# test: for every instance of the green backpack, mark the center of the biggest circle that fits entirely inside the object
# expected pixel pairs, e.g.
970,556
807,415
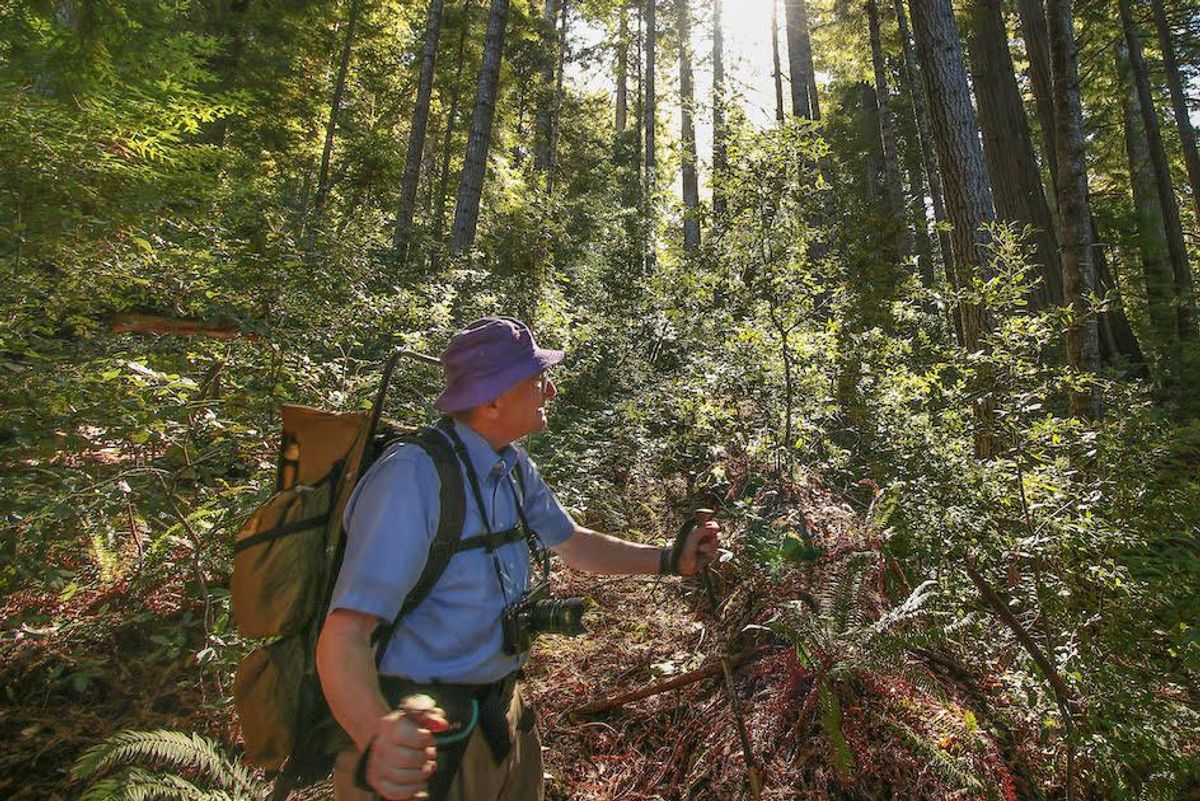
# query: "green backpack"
286,560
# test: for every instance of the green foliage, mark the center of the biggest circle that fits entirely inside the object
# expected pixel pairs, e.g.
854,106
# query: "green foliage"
222,778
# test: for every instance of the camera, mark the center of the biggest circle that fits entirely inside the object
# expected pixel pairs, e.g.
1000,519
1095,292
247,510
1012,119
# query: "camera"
537,612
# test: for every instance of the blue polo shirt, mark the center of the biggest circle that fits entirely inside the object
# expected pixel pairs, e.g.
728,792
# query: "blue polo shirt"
454,635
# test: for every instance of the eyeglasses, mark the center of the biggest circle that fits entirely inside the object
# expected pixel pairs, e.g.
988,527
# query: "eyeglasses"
542,382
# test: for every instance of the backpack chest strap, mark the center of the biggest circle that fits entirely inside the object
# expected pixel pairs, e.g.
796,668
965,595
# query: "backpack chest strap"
491,541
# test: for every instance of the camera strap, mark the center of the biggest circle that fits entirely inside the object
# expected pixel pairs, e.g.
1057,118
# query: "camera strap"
493,540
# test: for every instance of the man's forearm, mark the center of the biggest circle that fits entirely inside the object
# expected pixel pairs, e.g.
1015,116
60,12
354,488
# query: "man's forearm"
346,666
593,552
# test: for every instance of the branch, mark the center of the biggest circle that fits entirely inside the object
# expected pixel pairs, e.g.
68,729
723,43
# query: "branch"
710,670
175,326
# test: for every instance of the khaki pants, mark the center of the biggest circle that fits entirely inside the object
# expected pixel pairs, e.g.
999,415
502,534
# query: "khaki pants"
518,778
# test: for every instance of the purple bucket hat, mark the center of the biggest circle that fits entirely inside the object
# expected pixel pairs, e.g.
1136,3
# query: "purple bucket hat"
487,358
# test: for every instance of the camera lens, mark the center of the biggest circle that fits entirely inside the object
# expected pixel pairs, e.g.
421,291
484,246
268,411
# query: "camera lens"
558,616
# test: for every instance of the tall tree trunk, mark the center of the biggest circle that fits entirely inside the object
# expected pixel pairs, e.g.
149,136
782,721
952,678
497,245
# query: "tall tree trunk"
416,134
545,92
968,200
893,191
622,68
470,190
1151,233
1185,303
778,71
1079,272
1007,147
439,213
794,13
651,107
687,131
1037,51
806,56
556,110
1187,136
720,158
924,126
335,107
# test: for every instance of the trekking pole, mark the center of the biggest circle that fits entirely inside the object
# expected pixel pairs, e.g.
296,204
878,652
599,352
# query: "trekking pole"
752,774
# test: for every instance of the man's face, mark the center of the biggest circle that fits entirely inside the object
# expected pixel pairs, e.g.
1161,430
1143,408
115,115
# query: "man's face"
522,409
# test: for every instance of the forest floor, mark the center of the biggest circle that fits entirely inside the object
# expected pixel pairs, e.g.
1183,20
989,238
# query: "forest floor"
822,713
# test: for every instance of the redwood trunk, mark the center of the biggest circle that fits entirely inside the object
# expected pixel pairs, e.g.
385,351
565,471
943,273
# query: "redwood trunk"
968,200
650,107
416,135
794,19
1185,304
687,133
622,69
470,190
335,107
1079,272
720,158
778,70
1187,136
556,110
1007,147
893,191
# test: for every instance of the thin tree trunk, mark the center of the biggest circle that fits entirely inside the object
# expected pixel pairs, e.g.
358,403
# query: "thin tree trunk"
556,111
545,94
924,126
439,214
807,57
778,71
466,211
335,107
1037,51
622,68
720,159
968,200
794,12
893,191
1151,233
687,132
1187,136
416,134
1185,304
650,109
1007,147
1079,272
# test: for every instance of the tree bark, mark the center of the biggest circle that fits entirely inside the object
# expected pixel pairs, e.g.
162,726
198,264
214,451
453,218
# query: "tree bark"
1187,136
778,71
1151,233
1079,271
797,35
556,110
968,199
1007,147
622,69
687,133
439,214
893,191
470,190
924,126
649,110
335,106
416,134
1185,303
545,94
720,157
1037,51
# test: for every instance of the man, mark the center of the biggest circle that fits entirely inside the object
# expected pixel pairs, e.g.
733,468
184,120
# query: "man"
496,392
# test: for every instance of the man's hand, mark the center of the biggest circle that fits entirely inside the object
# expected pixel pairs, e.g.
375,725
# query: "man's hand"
700,545
403,752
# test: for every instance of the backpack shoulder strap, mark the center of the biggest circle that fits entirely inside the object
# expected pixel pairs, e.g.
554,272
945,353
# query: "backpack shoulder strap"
451,514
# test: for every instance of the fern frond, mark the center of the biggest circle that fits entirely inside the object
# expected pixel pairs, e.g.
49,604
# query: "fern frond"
950,768
174,749
137,784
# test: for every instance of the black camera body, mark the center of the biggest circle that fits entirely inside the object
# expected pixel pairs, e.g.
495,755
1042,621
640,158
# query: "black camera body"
537,612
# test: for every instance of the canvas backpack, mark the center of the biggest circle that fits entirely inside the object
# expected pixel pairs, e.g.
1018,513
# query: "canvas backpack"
286,560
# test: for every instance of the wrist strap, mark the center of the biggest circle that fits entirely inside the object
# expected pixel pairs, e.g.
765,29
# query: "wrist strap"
664,561
360,770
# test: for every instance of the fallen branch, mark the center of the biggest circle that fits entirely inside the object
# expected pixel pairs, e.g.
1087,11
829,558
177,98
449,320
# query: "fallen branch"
176,326
707,671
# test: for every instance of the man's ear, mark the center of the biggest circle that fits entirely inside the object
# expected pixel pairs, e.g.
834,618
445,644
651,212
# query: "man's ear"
489,410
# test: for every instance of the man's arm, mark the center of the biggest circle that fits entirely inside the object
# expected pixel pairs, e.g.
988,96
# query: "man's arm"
403,753
593,552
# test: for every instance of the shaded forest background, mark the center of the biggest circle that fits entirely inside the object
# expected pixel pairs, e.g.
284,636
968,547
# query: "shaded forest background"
954,283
